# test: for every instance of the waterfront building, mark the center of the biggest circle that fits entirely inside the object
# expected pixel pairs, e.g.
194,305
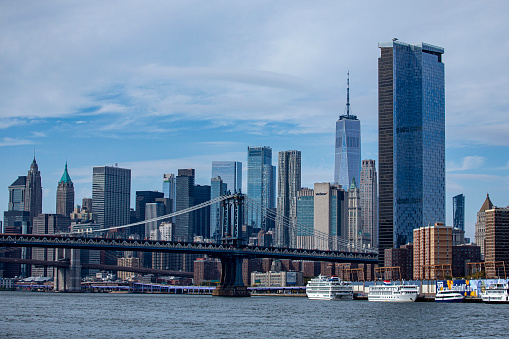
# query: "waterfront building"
202,193
217,189
230,172
17,222
458,211
411,104
461,256
288,184
497,241
111,196
33,191
65,194
276,279
369,201
261,185
398,263
47,224
348,146
356,237
128,262
206,269
480,225
432,252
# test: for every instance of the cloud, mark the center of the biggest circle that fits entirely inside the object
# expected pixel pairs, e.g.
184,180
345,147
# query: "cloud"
14,142
468,163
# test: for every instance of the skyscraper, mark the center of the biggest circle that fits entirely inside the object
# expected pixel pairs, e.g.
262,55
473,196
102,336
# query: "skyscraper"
153,210
230,172
411,113
330,215
458,211
355,233
65,194
217,189
289,183
261,184
184,223
369,201
33,191
348,146
17,194
111,195
202,216
169,188
480,225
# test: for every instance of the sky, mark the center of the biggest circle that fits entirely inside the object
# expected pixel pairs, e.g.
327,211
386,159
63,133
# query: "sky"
156,86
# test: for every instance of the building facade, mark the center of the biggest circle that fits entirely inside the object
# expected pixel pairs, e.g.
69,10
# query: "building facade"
33,191
169,188
288,184
65,194
411,116
433,252
184,228
369,201
217,189
230,172
202,193
496,252
261,185
347,162
480,225
458,211
356,236
305,218
330,217
111,196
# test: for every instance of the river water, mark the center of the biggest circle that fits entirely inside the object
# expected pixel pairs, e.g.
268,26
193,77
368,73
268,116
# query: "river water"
102,315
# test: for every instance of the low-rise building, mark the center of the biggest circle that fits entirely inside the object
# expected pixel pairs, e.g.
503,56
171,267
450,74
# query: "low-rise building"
276,279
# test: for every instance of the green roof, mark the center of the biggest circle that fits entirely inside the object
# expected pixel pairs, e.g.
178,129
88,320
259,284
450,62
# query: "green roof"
65,177
353,186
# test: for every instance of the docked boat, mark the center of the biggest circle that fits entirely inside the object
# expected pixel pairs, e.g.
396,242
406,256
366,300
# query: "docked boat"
333,288
449,296
497,293
393,293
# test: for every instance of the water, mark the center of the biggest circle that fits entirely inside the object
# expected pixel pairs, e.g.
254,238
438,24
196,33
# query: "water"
32,314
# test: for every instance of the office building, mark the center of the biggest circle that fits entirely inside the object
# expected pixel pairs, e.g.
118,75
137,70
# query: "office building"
462,255
230,172
497,241
347,164
128,262
277,279
217,189
153,210
86,204
111,195
202,194
458,211
185,223
433,252
169,189
17,194
33,191
411,141
330,216
65,194
261,185
356,236
142,199
480,225
288,184
305,218
369,201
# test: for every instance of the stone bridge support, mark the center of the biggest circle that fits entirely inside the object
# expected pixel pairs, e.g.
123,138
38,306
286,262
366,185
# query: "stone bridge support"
231,284
68,279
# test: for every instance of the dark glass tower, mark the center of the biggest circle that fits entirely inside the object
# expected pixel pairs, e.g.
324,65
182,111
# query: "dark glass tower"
261,185
411,113
458,211
184,229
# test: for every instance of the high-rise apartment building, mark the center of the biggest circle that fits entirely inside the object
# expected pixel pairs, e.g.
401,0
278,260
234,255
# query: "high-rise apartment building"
111,195
369,201
480,225
65,194
33,191
411,145
458,211
261,185
217,189
348,146
432,252
288,184
230,172
305,218
497,241
184,228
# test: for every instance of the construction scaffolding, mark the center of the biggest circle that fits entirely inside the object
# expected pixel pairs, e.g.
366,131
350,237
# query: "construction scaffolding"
492,269
388,273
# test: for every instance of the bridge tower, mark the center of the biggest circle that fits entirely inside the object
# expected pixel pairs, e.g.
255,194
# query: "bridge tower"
231,283
68,279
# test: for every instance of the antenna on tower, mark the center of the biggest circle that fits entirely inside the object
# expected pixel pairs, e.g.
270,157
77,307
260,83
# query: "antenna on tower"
348,94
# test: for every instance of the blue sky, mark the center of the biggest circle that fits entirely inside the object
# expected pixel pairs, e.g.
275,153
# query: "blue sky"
156,86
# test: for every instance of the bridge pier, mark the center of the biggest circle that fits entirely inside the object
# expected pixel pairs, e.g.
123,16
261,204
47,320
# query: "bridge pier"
68,279
231,283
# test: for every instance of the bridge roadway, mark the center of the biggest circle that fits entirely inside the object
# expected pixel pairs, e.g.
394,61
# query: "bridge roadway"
213,250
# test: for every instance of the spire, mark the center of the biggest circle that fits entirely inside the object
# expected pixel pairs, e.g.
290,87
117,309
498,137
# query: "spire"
348,94
353,185
487,205
33,166
65,177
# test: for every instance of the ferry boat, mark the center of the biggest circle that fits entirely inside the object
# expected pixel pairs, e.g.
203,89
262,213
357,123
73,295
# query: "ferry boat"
333,288
449,296
497,293
393,293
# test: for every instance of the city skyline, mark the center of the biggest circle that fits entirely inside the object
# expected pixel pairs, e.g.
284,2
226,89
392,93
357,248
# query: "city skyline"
283,88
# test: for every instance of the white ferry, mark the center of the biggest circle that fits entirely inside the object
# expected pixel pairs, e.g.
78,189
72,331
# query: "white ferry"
497,293
333,288
393,293
449,296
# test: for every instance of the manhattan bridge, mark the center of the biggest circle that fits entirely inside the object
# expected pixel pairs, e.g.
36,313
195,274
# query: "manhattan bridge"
306,243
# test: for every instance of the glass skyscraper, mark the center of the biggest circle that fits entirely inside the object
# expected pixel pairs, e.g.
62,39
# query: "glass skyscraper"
217,189
411,102
261,184
458,211
230,172
347,164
